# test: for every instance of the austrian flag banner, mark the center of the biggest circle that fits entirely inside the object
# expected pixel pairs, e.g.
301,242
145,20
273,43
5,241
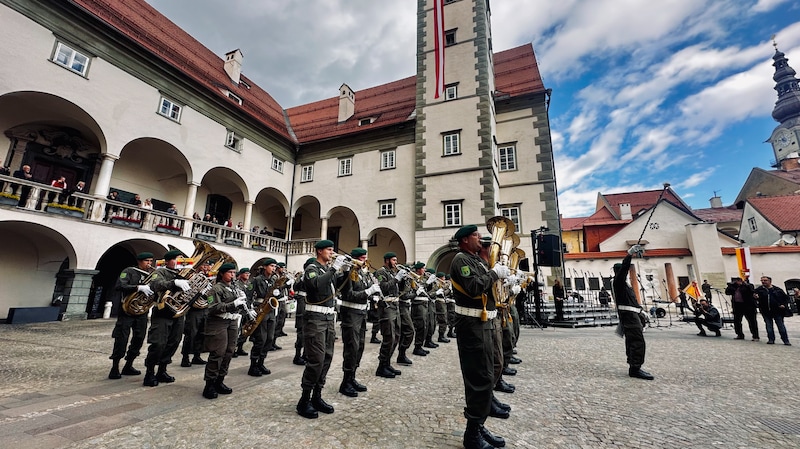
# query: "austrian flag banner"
438,45
743,262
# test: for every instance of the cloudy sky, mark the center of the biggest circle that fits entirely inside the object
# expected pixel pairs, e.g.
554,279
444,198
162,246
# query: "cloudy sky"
644,91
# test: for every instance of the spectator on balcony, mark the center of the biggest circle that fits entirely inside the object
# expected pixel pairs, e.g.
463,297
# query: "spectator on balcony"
173,210
111,211
254,230
264,231
60,183
4,171
80,187
239,226
23,173
229,222
214,220
136,201
195,216
148,204
207,218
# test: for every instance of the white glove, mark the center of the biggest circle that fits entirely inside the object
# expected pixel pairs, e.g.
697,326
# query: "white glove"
637,250
431,279
400,275
440,292
145,289
238,302
251,314
290,282
182,284
276,293
340,262
373,290
421,291
515,290
502,271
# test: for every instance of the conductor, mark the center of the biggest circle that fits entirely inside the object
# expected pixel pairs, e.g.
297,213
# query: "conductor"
628,309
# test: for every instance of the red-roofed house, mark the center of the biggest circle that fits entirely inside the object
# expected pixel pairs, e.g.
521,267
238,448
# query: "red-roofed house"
771,220
114,94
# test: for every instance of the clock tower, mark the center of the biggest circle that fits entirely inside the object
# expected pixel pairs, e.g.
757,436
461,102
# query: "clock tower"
785,137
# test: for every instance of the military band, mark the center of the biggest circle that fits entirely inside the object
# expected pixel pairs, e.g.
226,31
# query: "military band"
130,281
263,336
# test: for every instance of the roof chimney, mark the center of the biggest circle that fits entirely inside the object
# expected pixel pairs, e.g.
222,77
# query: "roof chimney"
625,211
791,162
233,65
347,103
716,202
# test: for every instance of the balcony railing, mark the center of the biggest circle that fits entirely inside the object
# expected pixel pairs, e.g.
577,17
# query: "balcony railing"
40,197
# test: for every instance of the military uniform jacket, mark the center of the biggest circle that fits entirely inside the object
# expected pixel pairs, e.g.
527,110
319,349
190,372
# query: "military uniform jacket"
354,291
128,281
474,277
389,285
623,293
163,280
220,299
319,285
262,288
247,288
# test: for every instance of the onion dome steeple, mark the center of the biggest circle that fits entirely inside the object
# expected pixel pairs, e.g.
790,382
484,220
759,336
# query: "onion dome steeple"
786,84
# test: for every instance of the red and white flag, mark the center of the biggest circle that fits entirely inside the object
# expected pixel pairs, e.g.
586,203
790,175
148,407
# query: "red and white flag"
438,45
743,262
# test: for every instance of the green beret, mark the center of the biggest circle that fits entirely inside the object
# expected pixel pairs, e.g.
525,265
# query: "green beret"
143,256
447,276
440,274
270,261
389,255
419,265
465,231
281,264
486,241
358,252
322,244
169,255
226,267
430,270
244,270
308,262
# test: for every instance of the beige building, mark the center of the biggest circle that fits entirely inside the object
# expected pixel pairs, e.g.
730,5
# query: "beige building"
116,96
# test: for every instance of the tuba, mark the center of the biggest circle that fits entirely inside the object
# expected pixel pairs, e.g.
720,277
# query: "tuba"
137,303
180,302
263,309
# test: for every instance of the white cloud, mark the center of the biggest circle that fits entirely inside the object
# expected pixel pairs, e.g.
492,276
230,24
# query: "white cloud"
767,5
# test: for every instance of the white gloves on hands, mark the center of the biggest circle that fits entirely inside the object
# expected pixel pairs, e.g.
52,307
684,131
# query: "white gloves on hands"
251,314
276,293
502,271
240,301
340,262
401,273
290,282
637,250
182,284
145,289
440,292
421,291
515,290
373,290
431,279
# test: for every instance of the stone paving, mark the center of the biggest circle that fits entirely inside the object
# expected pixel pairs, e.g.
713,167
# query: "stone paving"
572,392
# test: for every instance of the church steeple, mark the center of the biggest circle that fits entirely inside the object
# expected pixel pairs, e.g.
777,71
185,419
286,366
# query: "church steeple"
786,84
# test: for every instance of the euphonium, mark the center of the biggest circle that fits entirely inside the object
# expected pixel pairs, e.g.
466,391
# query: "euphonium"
137,303
180,302
500,228
263,309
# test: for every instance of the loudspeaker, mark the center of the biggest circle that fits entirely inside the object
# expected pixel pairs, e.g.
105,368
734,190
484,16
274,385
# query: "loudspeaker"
548,247
524,265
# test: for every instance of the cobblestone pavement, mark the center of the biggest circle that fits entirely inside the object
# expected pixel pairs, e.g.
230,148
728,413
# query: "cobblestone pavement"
572,392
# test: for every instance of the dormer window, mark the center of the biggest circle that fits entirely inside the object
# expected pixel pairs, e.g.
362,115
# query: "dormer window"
235,97
366,121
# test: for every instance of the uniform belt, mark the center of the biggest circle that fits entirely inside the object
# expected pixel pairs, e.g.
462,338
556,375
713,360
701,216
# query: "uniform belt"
629,309
282,299
355,305
228,316
466,311
420,299
390,299
302,294
320,309
405,301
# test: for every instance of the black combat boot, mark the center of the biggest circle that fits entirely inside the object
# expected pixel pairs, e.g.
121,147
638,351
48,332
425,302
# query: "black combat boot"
419,351
185,361
254,370
221,387
375,340
114,373
450,332
129,370
473,438
196,360
298,359
240,350
346,388
490,438
264,369
442,338
383,371
396,371
504,386
430,344
639,373
495,411
209,392
163,376
358,386
150,377
499,404
304,407
507,371
319,404
402,358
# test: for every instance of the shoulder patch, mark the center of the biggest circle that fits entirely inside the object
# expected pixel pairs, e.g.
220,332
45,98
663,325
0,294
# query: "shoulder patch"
123,275
155,276
312,274
465,271
210,299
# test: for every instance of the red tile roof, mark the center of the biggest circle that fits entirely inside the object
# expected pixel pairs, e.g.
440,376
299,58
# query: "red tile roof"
516,71
572,224
719,214
782,211
765,250
640,200
658,252
790,175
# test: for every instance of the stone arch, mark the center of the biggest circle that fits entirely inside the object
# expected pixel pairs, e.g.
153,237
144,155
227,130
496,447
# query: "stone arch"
441,258
220,184
343,228
383,240
270,210
306,222
152,168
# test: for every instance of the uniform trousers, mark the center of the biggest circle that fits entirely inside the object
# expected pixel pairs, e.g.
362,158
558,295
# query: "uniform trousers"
354,330
390,331
280,319
406,327
319,335
497,347
430,321
193,331
516,324
122,330
298,323
220,342
634,337
263,337
163,340
419,316
476,356
507,332
441,316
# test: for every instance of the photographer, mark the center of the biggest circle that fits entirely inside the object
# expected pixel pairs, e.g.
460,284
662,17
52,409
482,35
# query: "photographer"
707,315
744,305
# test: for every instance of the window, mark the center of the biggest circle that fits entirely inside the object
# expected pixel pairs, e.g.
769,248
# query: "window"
450,92
233,141
387,160
451,144
512,213
307,173
508,158
449,38
452,214
71,59
277,164
235,97
366,121
169,109
386,208
346,166
752,223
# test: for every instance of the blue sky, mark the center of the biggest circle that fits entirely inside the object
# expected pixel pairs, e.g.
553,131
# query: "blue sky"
644,91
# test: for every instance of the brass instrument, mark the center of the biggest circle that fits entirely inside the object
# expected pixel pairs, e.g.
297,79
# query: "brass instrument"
263,309
181,301
137,303
504,244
